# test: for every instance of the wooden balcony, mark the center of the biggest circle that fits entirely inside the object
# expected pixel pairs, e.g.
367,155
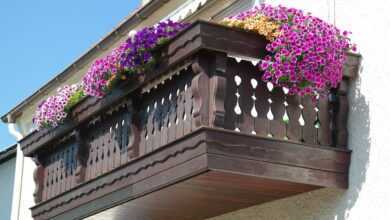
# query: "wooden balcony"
199,136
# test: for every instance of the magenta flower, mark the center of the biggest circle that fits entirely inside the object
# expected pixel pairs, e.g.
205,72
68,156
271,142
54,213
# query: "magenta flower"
307,56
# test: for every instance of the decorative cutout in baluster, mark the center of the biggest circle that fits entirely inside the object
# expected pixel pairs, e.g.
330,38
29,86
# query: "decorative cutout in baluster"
187,109
180,112
285,117
237,108
270,115
149,128
156,138
164,120
172,117
254,113
317,123
261,122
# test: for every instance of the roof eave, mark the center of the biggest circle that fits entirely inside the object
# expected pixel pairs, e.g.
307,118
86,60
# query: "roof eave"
8,154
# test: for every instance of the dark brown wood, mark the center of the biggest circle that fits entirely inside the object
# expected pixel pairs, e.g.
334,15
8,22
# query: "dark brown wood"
277,126
281,169
341,108
218,90
294,130
38,180
81,158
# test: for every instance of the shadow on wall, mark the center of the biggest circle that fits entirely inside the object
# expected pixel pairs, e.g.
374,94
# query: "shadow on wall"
325,204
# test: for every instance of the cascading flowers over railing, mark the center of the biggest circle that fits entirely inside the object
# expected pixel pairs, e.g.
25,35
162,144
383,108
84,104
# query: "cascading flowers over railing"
52,111
306,54
133,56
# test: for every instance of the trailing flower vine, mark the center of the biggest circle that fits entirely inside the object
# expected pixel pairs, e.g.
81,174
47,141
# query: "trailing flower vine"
133,56
306,53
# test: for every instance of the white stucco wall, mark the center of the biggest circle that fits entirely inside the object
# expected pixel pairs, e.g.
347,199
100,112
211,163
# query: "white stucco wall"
368,196
7,171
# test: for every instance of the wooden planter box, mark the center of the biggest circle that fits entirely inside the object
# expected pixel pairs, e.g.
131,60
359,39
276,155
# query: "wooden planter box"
200,136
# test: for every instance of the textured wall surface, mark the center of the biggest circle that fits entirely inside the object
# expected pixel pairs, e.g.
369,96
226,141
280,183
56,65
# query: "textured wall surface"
7,171
368,196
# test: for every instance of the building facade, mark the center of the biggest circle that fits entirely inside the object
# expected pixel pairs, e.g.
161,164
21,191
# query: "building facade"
367,195
7,175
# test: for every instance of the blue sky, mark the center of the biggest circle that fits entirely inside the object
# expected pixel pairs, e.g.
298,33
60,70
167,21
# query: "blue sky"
40,38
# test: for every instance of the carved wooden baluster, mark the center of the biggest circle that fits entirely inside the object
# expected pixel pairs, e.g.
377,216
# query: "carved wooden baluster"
115,135
149,128
105,148
309,115
46,177
91,159
62,179
180,112
141,122
109,153
123,120
157,118
246,121
324,130
56,175
230,101
172,115
67,169
187,109
262,106
277,125
341,108
73,166
49,168
38,179
200,91
293,111
164,120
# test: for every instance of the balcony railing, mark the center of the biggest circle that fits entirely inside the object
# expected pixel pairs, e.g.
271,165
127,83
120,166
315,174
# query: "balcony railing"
201,127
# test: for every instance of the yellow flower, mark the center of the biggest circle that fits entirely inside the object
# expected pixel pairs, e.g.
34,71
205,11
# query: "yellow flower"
259,24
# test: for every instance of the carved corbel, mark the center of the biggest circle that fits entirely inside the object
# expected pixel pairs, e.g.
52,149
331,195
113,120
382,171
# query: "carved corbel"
81,156
38,179
200,88
218,91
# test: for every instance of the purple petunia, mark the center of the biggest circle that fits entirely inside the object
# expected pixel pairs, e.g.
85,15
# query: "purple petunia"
50,112
307,56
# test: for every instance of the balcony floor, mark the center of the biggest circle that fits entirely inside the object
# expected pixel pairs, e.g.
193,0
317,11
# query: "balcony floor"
209,194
